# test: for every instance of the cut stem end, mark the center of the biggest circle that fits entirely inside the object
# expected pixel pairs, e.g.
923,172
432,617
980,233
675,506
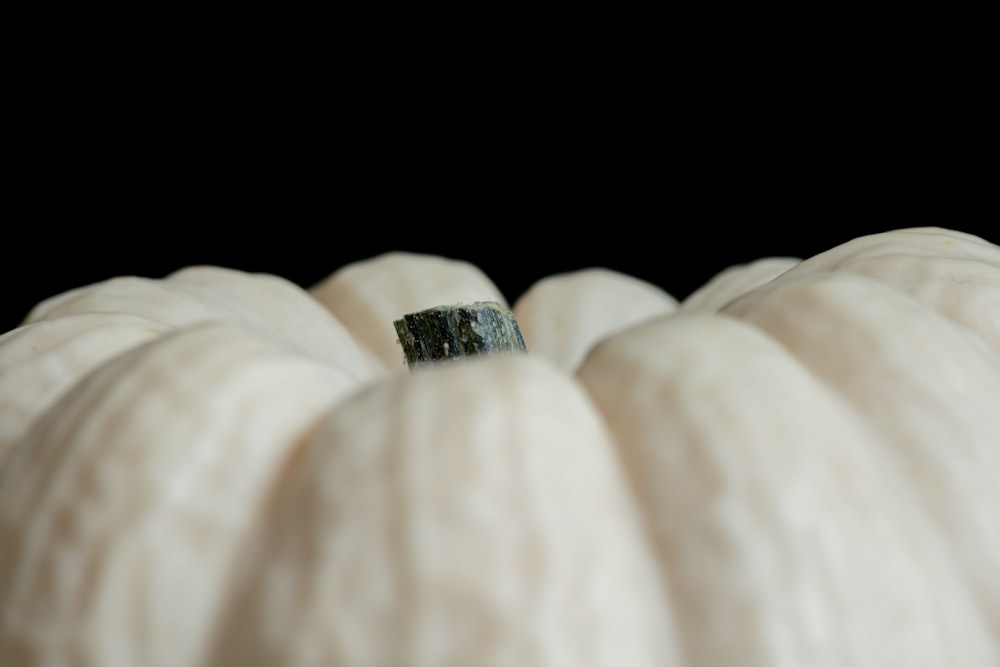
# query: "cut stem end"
452,332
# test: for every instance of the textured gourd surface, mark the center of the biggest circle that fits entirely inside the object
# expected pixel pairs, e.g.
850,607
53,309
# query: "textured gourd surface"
794,466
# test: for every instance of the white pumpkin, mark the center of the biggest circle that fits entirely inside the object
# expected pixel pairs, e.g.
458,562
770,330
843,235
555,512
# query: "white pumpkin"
794,466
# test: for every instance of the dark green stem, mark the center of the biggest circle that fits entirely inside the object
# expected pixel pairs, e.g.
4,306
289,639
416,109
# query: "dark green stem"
453,332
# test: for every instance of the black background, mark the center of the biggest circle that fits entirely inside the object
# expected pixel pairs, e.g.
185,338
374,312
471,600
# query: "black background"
141,161
674,222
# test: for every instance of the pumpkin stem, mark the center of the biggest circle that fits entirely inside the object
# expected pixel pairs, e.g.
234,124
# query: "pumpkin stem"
453,332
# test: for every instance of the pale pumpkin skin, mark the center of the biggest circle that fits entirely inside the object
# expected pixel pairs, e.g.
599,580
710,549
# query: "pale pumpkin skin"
795,466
